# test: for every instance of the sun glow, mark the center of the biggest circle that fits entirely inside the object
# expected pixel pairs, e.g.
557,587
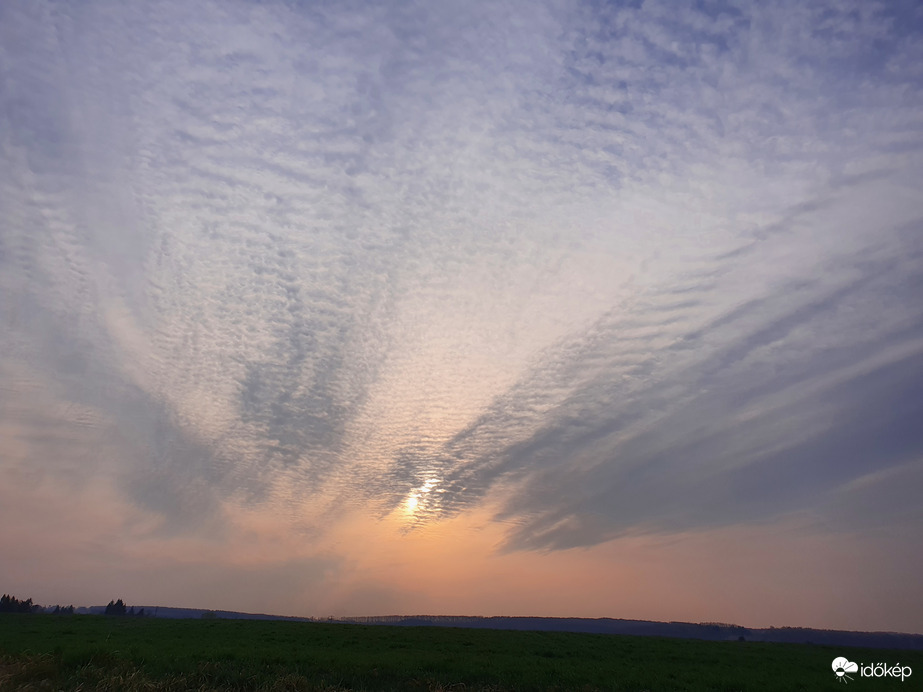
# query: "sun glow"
417,496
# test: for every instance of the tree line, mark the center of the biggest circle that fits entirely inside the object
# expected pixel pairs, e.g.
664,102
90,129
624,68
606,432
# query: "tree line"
11,604
119,608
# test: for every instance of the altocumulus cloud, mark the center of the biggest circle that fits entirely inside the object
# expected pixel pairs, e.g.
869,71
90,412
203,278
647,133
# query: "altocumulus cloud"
612,267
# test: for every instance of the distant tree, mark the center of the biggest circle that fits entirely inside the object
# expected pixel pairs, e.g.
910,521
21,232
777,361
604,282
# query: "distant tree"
116,608
11,604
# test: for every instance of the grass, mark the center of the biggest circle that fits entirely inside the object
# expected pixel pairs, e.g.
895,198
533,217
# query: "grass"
39,652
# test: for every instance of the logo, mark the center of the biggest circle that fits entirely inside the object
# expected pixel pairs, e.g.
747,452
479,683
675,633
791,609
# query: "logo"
843,666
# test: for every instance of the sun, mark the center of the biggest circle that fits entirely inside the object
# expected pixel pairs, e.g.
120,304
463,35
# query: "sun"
417,496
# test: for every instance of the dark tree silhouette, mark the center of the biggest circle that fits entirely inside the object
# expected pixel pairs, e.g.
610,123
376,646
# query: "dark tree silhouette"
116,608
11,604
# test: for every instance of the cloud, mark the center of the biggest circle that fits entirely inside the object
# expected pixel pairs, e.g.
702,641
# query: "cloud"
663,419
606,267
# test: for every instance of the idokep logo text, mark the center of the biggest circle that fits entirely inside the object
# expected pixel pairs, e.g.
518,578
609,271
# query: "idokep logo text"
842,667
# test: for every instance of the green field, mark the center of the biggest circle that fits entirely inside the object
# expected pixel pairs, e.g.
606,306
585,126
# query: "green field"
98,653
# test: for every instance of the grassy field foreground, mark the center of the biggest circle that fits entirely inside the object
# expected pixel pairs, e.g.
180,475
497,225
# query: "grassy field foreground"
100,653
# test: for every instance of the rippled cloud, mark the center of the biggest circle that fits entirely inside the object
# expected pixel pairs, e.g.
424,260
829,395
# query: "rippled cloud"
605,268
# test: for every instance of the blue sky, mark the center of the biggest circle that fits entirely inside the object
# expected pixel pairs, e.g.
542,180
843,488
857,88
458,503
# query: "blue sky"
552,282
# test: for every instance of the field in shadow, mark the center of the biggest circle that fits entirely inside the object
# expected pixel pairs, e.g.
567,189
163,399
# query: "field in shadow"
102,653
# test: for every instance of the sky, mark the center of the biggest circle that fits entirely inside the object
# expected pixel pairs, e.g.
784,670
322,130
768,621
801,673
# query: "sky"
545,308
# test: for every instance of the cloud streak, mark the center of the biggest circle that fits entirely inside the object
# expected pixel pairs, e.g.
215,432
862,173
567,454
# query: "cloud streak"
598,270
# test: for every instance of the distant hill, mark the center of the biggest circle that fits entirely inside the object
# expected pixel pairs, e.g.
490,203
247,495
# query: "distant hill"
186,613
643,628
646,628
